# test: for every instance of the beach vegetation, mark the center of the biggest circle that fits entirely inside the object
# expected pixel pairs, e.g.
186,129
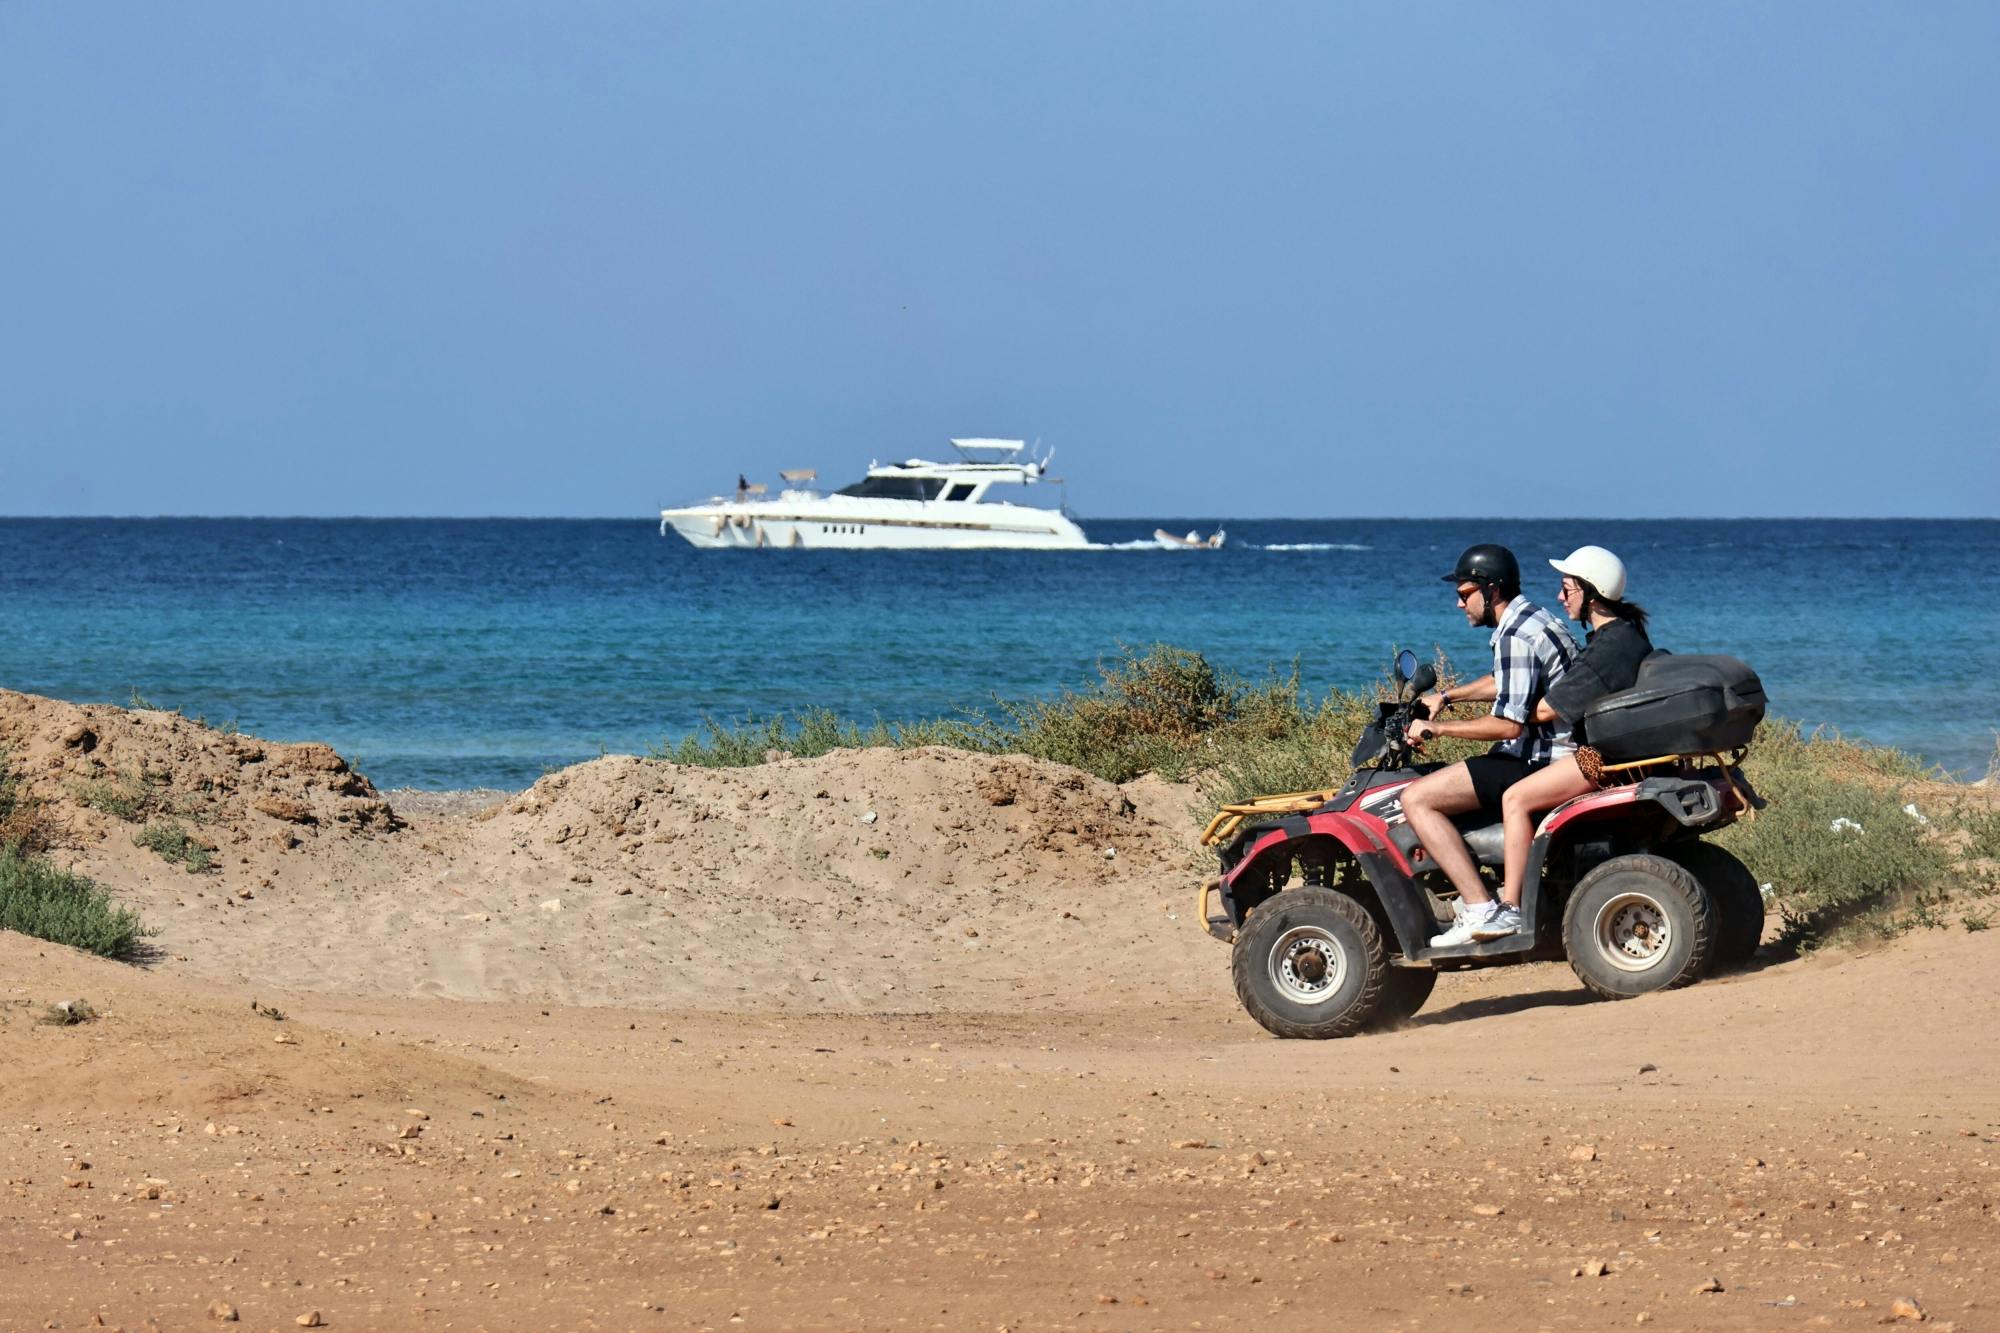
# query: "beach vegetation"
1858,841
175,844
40,898
134,795
26,821
1982,829
1160,709
1839,845
68,1013
126,796
812,732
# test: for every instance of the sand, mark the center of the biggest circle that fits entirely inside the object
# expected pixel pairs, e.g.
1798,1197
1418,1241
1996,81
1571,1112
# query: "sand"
886,1040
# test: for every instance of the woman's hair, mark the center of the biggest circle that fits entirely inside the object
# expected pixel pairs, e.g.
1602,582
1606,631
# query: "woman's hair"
1631,611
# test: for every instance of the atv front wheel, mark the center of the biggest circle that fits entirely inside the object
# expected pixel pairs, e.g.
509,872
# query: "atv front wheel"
1739,903
1309,963
1638,924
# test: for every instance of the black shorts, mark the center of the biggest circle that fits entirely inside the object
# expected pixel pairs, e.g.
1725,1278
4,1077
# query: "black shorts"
1493,774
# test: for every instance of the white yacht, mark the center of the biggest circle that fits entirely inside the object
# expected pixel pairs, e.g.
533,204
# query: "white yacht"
915,505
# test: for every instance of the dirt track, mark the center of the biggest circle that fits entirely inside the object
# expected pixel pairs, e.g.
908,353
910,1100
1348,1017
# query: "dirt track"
1063,1118
1163,1167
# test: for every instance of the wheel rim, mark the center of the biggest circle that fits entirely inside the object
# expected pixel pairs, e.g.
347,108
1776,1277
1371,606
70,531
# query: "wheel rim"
1307,965
1633,932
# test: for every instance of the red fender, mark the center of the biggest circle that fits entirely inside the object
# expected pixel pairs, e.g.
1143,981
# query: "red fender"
1360,835
1611,798
1595,803
1354,834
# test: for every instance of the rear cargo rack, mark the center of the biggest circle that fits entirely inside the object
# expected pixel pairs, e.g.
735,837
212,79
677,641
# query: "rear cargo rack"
1636,770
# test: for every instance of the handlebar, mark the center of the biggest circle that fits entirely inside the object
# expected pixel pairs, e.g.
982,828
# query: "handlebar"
1385,742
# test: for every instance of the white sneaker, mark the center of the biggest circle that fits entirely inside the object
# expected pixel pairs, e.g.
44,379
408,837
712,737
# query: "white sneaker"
1472,917
1503,922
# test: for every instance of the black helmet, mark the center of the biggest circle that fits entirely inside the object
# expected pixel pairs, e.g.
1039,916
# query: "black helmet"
1486,563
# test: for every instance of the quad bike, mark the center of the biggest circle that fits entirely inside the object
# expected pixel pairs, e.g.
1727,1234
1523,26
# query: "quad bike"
1331,902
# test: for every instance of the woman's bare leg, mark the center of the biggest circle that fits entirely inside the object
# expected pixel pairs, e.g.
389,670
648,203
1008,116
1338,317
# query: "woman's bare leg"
1543,790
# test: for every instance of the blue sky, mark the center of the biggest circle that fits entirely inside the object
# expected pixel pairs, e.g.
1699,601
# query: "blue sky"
1283,259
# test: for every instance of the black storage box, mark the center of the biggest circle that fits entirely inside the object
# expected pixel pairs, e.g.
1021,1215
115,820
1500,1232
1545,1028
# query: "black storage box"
1680,705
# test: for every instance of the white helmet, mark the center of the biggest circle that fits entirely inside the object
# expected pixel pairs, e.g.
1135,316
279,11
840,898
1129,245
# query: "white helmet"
1597,567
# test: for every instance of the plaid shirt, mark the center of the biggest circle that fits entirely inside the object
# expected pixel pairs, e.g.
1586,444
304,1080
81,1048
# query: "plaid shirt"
1531,650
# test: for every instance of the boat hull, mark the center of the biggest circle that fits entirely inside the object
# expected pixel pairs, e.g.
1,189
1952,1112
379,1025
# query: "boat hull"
921,527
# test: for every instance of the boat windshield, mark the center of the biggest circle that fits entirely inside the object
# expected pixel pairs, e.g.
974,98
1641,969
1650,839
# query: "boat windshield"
895,488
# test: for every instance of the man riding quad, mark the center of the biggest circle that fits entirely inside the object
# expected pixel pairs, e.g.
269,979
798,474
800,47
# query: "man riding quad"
1330,899
1531,651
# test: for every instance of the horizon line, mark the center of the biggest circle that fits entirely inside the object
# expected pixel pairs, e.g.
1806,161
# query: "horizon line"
1110,518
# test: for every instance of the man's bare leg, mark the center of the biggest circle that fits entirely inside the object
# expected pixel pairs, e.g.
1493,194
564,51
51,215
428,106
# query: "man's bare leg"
1428,804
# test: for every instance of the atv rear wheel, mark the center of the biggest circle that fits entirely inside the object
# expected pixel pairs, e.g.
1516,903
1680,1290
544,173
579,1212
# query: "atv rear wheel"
1739,902
1309,963
1403,994
1638,924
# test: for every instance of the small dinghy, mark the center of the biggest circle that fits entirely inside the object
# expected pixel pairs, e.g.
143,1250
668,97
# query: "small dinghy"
1194,541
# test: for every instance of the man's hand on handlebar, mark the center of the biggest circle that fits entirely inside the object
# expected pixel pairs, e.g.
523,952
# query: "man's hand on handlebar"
1433,703
1418,731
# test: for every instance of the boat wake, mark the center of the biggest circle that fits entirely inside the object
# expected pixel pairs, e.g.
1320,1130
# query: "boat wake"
1248,546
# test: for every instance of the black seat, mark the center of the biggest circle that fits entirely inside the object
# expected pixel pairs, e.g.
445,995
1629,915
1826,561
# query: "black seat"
1487,841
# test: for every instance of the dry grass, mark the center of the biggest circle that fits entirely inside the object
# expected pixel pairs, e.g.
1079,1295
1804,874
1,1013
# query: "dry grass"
1837,846
26,821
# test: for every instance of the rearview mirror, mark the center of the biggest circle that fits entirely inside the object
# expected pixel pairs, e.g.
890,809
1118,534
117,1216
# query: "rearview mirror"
1406,665
1426,677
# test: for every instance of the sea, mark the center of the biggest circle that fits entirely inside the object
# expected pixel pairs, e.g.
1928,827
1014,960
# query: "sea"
447,654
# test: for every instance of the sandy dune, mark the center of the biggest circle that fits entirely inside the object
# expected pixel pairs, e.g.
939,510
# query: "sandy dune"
773,1063
863,880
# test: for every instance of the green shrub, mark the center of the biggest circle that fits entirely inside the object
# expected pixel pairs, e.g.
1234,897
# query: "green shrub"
1316,753
1982,829
124,797
43,900
810,733
1148,713
1162,710
1835,843
1165,710
13,790
1170,711
176,844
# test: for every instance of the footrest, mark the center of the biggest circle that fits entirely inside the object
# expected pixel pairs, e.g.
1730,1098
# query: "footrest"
1519,942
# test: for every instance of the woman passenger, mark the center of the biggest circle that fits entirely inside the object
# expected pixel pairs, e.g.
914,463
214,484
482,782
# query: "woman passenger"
1593,588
